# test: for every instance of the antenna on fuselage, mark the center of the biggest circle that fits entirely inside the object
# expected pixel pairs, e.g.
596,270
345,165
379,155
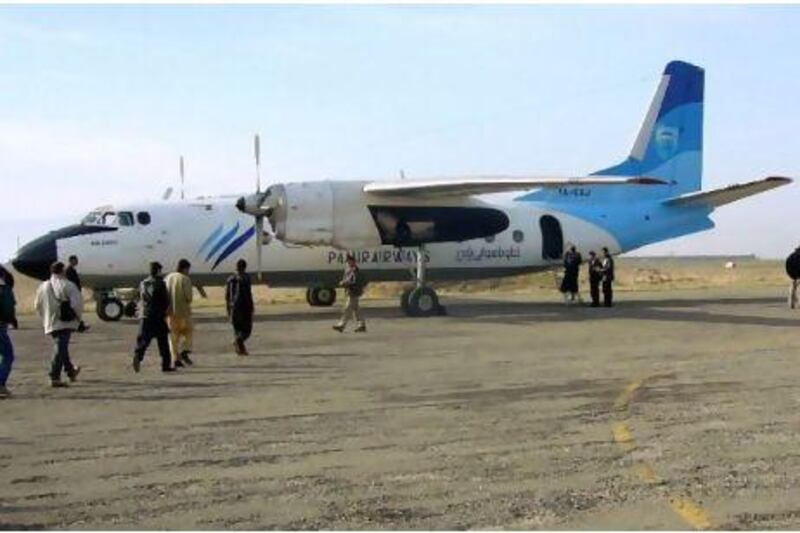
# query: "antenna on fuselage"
183,177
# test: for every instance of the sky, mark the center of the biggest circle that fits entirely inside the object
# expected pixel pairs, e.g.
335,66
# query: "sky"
98,102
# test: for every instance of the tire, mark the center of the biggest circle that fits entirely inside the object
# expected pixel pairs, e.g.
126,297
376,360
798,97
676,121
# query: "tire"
310,296
130,310
404,298
110,309
422,302
325,296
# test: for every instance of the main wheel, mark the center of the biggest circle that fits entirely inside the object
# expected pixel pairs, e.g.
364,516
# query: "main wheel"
321,296
130,310
110,309
325,296
422,301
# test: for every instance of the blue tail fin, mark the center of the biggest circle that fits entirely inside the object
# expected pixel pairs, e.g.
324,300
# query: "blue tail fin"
670,142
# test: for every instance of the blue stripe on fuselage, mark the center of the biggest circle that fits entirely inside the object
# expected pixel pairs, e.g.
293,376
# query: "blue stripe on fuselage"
223,241
235,245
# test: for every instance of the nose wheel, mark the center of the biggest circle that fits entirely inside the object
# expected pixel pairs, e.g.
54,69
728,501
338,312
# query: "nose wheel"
420,300
110,308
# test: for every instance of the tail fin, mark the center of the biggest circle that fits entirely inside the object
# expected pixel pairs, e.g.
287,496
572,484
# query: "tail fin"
670,142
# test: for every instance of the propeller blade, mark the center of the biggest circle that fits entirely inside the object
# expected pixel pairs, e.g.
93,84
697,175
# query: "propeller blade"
257,148
259,243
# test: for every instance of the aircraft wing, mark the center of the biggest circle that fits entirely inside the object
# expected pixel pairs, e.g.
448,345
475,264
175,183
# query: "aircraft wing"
726,195
492,184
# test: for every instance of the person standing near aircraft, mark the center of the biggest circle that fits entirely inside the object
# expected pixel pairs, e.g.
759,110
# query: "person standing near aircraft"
595,276
71,273
793,271
59,304
155,304
8,317
353,284
239,303
607,269
572,268
179,319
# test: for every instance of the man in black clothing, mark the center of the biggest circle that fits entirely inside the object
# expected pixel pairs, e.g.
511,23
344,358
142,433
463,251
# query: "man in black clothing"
607,268
793,271
595,276
155,302
239,301
572,268
71,273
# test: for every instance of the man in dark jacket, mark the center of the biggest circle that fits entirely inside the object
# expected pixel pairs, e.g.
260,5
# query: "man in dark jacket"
155,302
8,317
353,284
595,277
572,268
71,273
607,268
793,271
239,302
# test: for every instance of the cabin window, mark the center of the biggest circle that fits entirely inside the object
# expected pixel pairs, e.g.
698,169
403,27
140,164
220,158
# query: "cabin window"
125,218
518,236
143,217
490,239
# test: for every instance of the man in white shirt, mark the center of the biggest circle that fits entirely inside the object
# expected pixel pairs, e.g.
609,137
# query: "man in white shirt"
60,305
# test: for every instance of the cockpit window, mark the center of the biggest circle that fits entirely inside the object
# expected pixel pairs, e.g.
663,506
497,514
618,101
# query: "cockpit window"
92,219
125,218
143,217
109,218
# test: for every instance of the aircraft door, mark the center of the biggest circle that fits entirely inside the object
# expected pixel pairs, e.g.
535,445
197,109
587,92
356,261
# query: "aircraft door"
552,238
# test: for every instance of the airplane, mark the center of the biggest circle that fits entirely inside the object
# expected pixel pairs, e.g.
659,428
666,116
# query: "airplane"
427,230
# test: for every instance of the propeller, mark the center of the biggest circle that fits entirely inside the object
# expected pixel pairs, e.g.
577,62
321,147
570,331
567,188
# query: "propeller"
259,217
182,176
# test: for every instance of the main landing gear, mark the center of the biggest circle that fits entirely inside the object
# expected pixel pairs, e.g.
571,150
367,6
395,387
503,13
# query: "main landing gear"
420,300
321,296
110,307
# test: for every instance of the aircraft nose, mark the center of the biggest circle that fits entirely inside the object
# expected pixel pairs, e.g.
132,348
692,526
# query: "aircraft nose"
34,259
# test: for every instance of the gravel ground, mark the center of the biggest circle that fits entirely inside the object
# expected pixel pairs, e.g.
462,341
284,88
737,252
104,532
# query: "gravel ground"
670,411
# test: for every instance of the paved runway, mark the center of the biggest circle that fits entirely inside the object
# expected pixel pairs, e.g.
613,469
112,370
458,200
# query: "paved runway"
670,411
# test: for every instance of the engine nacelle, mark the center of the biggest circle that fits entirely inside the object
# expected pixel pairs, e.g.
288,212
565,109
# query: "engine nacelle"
341,214
322,213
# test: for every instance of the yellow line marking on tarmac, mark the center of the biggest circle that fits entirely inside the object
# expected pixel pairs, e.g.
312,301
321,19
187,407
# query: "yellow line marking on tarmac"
622,434
646,473
689,511
624,399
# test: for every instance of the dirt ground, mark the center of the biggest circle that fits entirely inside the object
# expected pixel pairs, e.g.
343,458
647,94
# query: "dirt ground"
674,410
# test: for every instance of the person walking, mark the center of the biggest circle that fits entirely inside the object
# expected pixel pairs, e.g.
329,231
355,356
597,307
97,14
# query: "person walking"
353,284
793,271
607,268
8,317
572,268
179,318
71,273
153,325
595,277
60,305
239,303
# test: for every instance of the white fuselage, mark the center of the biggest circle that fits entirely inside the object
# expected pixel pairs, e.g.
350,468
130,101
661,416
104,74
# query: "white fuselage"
197,230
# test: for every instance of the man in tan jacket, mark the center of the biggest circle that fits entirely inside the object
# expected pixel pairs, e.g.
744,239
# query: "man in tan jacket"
179,317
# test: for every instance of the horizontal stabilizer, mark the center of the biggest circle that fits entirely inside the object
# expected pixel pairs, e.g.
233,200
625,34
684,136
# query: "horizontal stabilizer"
492,184
726,195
